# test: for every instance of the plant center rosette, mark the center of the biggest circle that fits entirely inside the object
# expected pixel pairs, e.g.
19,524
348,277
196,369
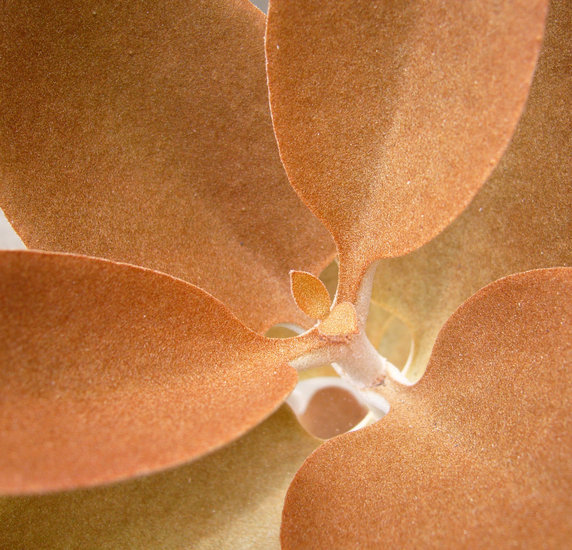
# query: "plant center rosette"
170,165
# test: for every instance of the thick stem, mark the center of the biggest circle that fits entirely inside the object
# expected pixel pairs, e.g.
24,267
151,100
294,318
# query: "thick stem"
363,364
353,355
354,358
363,297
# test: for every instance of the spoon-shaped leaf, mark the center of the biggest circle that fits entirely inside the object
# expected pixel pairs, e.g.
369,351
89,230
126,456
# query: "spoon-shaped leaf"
391,115
140,132
477,455
110,371
229,499
520,219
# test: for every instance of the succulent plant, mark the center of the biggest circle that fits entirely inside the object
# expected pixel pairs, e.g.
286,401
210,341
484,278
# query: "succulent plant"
182,174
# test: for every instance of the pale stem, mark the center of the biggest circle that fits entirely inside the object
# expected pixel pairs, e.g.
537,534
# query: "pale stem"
363,298
353,356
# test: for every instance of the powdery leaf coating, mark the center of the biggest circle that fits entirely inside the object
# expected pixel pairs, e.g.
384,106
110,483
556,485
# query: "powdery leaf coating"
140,132
390,115
476,455
520,219
341,321
311,294
110,371
230,499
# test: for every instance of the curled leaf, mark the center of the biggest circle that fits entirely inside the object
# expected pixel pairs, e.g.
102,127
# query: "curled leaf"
332,410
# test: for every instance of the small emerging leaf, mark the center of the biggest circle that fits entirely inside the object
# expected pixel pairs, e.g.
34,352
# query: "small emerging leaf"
477,455
341,321
310,294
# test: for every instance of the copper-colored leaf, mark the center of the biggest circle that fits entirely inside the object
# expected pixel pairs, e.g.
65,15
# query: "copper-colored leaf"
477,455
310,294
341,321
332,410
520,220
110,371
140,132
391,115
230,499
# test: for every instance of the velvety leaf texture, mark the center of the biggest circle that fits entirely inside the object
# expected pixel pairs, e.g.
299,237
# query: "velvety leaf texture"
520,220
140,132
137,154
476,455
230,499
110,371
310,294
391,115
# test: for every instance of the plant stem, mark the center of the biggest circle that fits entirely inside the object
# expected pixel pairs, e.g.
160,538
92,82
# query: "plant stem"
352,355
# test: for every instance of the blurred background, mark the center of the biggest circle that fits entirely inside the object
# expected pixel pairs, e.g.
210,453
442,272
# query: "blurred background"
262,4
8,238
